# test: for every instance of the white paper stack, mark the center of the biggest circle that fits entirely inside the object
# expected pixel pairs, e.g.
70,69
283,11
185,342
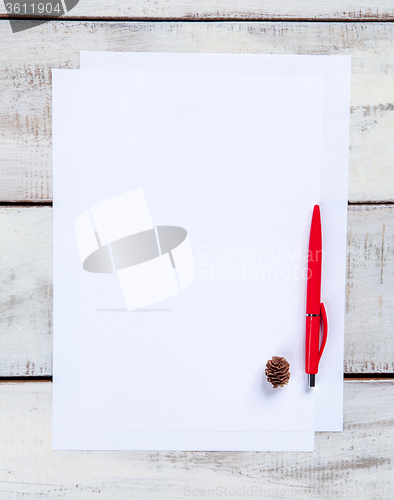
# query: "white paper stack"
184,186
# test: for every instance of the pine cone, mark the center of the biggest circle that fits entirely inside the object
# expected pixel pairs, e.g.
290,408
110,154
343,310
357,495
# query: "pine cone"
277,371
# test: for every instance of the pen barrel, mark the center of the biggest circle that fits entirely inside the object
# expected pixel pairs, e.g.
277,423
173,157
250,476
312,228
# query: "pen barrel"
312,341
313,294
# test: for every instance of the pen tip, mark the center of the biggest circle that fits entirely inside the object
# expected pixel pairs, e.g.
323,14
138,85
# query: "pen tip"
311,380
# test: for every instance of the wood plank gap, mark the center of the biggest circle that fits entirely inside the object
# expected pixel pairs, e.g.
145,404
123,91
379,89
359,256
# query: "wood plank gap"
26,204
7,380
346,376
50,203
375,203
368,376
190,19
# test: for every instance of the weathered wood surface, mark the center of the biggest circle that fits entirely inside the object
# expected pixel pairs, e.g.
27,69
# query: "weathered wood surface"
354,464
27,57
26,291
369,339
357,10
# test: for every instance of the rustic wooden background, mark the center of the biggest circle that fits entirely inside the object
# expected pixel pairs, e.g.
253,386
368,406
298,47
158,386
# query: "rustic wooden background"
356,463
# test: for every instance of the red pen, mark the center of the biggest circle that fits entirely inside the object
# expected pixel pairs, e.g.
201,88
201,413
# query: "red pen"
315,310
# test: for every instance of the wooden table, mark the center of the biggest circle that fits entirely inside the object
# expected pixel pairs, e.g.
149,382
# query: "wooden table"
355,463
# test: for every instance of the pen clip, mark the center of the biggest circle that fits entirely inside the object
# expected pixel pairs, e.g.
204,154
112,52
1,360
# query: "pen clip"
324,321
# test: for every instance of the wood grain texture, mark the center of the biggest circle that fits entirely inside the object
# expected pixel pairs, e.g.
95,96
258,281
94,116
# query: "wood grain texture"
357,10
352,464
26,291
370,290
27,57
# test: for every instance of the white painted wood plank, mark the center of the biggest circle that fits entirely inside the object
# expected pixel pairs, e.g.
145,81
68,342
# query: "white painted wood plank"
354,10
369,346
26,60
355,463
26,291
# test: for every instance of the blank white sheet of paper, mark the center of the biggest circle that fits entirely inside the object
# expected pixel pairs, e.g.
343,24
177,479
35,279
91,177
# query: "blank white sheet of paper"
189,167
